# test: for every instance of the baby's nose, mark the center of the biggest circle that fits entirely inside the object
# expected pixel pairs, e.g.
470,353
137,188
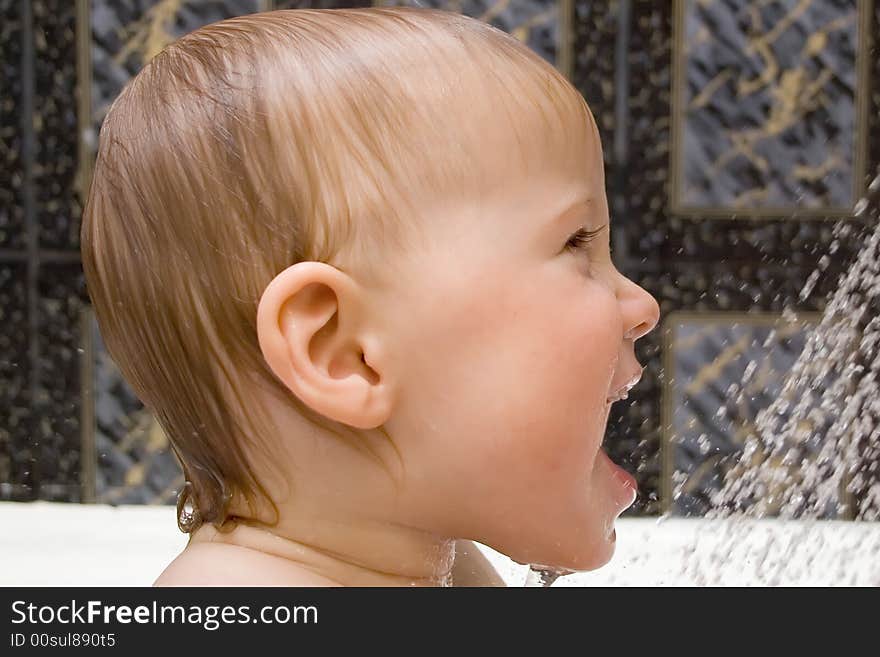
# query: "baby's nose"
641,312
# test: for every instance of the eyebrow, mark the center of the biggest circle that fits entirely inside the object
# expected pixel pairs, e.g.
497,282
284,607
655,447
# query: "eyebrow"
575,209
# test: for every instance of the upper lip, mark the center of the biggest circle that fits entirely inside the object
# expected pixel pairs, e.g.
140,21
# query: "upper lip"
622,389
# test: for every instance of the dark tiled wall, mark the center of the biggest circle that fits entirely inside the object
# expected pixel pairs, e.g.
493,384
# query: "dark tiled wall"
55,124
16,448
769,104
727,263
11,203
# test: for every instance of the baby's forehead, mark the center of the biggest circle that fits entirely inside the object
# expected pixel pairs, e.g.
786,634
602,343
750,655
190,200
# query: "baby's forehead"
567,148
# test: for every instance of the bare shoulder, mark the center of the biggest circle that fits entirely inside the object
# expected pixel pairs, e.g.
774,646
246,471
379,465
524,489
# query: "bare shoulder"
220,564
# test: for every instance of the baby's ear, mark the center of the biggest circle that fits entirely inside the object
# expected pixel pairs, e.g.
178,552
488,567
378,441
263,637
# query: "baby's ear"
308,324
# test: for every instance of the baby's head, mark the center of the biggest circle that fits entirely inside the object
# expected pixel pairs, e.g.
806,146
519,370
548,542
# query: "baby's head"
357,264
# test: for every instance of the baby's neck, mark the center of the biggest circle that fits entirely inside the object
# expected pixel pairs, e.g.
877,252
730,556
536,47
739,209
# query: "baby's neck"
341,553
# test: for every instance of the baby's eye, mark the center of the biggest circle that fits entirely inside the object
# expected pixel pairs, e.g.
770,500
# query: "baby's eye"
582,238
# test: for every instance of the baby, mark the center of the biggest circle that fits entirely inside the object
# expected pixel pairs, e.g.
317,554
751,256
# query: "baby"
357,265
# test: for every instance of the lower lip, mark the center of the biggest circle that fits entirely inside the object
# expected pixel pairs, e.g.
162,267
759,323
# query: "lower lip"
626,483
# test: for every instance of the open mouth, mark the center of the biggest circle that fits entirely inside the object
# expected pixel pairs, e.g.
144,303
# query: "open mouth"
618,396
627,488
623,391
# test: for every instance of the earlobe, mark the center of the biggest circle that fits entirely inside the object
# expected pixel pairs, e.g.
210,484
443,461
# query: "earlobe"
307,325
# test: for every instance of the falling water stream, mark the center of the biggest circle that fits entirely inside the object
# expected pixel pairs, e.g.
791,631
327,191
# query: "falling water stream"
543,576
819,437
814,453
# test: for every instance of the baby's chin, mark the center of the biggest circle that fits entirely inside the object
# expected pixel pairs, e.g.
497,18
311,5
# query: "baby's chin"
573,556
572,529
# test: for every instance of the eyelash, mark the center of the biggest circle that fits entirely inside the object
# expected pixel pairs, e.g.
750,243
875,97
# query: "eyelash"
582,238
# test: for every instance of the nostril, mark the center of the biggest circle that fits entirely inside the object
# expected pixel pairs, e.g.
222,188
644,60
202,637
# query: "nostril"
638,331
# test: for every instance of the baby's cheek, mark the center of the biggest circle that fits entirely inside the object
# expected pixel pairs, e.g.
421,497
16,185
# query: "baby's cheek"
556,369
522,365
